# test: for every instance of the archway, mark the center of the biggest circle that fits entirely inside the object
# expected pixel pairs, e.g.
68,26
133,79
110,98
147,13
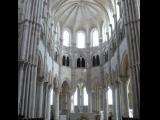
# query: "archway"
81,97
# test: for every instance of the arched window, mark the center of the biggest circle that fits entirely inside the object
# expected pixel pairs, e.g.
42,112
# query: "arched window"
63,60
94,61
51,98
83,62
75,97
95,40
97,60
85,98
80,39
67,61
110,101
78,62
66,38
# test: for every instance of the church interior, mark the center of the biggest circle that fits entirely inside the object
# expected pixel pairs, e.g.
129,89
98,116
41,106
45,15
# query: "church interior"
79,59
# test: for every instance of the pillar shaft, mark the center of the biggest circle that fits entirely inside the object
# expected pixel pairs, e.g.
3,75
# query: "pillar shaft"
114,104
27,91
20,78
133,41
56,114
48,106
24,91
90,102
40,100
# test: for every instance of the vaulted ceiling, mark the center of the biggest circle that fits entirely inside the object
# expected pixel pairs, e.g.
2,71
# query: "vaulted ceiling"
81,13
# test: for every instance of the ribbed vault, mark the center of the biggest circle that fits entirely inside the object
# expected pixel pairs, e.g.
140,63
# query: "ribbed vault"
81,13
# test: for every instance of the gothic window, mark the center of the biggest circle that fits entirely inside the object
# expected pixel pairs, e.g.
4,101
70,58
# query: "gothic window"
85,98
66,38
78,62
63,60
94,61
51,97
95,40
81,62
67,61
80,39
110,101
97,60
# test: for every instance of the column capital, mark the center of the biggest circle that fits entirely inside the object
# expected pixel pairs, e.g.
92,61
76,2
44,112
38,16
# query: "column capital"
123,79
57,90
41,79
21,63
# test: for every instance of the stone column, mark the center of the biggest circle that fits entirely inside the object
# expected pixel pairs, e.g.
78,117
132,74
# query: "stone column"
33,38
82,97
90,101
44,99
114,103
27,91
22,49
73,104
132,30
20,78
32,93
24,88
40,99
105,104
99,99
78,98
118,101
48,105
56,103
124,99
69,100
